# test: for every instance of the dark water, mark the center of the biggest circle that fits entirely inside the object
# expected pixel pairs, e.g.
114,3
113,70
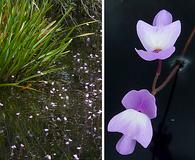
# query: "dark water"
125,71
64,122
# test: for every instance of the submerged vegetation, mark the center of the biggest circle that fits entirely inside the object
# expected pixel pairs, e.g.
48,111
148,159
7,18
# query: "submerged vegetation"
87,8
63,121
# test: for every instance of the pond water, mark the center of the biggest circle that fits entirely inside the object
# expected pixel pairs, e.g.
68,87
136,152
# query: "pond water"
62,122
125,71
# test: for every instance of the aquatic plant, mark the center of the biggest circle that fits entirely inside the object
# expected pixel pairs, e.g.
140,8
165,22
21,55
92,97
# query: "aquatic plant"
134,123
88,8
30,43
92,8
159,39
64,122
56,124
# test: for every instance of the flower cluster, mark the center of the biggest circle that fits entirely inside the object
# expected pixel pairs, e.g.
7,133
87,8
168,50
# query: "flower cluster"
135,122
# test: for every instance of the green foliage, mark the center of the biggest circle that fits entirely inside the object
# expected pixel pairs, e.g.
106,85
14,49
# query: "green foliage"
59,120
29,42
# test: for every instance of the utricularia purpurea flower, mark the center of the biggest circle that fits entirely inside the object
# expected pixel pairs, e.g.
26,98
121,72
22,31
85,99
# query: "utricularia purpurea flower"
135,122
158,39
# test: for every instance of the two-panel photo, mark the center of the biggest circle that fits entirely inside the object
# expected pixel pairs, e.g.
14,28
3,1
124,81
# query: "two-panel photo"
97,80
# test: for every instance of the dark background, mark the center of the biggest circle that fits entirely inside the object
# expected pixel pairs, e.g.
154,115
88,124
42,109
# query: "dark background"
125,70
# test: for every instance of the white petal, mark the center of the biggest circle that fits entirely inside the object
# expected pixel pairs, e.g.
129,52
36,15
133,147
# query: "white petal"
133,124
158,37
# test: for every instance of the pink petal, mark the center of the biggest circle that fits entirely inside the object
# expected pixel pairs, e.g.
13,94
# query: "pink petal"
125,145
142,101
150,56
158,37
162,18
131,100
133,124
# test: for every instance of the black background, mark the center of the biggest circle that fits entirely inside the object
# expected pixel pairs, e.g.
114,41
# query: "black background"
125,70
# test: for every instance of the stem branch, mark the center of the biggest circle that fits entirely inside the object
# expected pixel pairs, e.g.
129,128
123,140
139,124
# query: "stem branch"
188,42
174,70
169,77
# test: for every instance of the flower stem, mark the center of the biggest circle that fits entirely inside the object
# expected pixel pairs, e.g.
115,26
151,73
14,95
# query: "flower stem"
175,69
169,77
188,42
158,71
158,140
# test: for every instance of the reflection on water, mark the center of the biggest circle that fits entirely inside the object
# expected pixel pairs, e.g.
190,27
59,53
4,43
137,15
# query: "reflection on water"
64,122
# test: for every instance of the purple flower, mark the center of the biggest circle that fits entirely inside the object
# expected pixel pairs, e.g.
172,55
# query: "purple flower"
158,39
134,123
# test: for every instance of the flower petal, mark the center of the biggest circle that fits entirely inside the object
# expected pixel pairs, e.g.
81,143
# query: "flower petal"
134,125
145,33
144,133
166,36
131,100
162,18
125,145
142,101
158,37
150,56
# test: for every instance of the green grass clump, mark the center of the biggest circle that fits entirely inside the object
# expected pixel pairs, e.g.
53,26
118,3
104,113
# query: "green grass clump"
29,41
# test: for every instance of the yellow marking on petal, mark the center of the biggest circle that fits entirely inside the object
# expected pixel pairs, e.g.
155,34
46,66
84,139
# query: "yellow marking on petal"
157,50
